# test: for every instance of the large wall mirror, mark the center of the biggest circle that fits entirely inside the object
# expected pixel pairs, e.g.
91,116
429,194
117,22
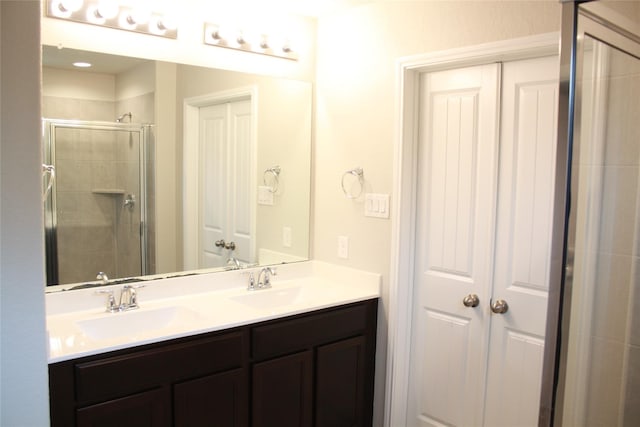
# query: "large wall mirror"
153,169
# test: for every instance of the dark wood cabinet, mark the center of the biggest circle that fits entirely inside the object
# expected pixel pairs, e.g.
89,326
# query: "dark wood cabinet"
313,369
282,391
324,360
142,409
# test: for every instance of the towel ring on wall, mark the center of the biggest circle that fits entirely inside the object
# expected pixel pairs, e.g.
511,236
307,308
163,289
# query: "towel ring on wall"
275,171
359,173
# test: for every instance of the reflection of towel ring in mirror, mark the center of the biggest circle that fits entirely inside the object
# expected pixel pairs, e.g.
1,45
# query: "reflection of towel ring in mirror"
359,173
275,171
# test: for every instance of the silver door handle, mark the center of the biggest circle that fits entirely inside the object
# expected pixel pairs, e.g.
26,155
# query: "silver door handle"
471,300
222,244
499,306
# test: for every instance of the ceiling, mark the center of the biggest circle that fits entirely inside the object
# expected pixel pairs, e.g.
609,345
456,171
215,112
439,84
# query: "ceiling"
101,62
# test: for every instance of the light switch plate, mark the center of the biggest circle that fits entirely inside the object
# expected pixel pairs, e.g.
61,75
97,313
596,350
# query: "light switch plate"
265,196
376,205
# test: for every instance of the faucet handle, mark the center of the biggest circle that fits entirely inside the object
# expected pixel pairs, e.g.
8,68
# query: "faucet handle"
111,301
252,281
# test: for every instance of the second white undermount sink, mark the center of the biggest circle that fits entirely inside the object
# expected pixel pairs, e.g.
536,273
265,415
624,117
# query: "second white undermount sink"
133,323
270,298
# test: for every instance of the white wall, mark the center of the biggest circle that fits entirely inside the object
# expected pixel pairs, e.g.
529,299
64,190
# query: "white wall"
23,363
356,111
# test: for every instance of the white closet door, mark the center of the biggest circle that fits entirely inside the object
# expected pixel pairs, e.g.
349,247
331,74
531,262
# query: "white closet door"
456,213
523,240
483,234
225,202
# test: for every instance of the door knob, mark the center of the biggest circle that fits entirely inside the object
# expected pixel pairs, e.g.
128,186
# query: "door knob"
471,300
230,245
499,306
220,243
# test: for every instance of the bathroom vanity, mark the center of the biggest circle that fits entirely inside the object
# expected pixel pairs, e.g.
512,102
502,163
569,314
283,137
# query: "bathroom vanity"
299,354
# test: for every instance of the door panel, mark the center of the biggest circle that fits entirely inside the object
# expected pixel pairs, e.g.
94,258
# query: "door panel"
213,142
523,240
458,142
240,218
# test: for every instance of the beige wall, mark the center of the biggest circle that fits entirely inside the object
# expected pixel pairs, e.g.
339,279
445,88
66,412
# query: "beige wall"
23,345
356,111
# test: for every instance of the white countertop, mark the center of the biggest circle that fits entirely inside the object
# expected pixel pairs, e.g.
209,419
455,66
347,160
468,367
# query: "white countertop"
77,324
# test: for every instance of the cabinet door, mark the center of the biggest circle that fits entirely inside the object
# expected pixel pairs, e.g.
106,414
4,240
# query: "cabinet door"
282,391
148,409
218,400
341,384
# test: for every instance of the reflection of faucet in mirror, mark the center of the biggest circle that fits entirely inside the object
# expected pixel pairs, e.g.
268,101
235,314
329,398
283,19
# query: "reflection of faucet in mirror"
234,263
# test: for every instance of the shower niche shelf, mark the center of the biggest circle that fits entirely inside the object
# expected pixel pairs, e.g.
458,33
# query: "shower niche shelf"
115,191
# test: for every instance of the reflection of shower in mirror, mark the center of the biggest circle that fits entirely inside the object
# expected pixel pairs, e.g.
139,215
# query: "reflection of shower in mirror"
96,210
121,118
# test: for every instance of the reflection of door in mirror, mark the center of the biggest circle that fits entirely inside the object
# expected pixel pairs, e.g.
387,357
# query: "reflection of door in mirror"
224,197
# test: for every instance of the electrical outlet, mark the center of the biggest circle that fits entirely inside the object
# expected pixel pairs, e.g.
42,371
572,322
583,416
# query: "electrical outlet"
343,247
286,237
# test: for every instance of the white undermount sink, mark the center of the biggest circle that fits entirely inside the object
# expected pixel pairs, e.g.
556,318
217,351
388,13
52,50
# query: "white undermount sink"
132,323
270,298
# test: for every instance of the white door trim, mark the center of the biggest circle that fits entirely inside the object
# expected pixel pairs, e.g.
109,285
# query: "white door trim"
190,152
405,173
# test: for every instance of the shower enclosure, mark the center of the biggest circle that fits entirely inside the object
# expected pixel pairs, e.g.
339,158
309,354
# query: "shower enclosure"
592,360
96,210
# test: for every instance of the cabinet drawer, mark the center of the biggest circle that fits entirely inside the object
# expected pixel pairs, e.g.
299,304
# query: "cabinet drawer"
120,375
306,331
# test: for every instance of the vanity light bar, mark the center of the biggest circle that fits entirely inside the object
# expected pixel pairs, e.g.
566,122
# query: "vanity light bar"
216,35
111,14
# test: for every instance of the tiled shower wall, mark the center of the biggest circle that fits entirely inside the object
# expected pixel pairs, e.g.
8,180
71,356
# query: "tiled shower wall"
613,396
96,232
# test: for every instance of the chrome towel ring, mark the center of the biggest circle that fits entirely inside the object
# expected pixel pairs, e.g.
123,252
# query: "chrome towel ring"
359,174
275,171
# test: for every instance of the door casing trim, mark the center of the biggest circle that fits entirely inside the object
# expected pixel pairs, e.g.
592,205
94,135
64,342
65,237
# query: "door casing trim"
405,179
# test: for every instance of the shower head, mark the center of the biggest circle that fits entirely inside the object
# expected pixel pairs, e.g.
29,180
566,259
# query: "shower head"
119,119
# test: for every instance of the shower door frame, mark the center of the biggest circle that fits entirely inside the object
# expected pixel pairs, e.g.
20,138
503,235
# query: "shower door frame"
579,19
50,212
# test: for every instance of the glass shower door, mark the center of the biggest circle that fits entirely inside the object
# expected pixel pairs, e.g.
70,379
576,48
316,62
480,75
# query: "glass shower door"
601,379
95,212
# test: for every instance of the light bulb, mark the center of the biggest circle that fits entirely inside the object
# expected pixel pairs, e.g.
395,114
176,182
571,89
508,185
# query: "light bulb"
107,9
65,8
69,5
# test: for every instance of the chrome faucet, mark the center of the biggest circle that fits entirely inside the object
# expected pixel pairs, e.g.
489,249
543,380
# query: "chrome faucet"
102,276
266,272
128,299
